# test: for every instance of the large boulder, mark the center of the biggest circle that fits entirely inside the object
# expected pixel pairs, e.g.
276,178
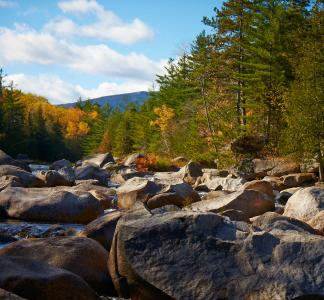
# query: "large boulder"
191,255
102,229
35,280
79,255
59,164
62,204
52,178
100,159
136,189
252,203
91,171
27,179
5,159
68,174
181,195
9,181
305,204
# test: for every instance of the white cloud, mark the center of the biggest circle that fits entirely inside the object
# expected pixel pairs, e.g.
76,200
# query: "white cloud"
25,45
7,4
59,91
107,26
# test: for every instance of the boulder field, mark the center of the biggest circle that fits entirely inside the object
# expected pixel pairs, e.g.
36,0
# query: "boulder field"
252,232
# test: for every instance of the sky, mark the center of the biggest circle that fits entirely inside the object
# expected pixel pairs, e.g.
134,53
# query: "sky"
68,49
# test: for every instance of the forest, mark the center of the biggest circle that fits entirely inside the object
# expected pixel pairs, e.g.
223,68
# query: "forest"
256,73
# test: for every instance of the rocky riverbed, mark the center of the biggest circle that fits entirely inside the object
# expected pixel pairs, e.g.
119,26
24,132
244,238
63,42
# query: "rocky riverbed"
102,230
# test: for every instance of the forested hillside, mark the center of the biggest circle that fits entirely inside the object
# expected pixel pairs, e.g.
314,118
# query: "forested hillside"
256,71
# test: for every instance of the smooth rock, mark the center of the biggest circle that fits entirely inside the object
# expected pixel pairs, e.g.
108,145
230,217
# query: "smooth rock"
133,159
35,280
305,203
102,229
79,255
214,195
252,203
60,204
190,172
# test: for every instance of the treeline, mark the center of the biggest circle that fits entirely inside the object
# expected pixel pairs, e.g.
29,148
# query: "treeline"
30,125
257,71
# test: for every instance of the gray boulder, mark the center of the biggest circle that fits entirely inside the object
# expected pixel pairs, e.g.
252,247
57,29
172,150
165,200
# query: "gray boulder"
31,279
191,255
4,295
62,204
132,159
227,183
59,164
91,171
27,179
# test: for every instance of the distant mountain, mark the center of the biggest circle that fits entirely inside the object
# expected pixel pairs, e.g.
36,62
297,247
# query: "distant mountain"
115,101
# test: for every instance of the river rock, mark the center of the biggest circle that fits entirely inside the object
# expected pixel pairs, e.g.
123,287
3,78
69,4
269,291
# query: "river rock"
52,178
275,182
136,189
252,203
92,171
259,185
79,255
201,256
27,179
68,174
102,229
9,181
59,164
35,280
271,220
62,204
99,159
6,159
305,204
298,179
214,195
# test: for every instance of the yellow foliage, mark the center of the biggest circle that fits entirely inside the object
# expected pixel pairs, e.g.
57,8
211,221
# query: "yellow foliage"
166,115
83,128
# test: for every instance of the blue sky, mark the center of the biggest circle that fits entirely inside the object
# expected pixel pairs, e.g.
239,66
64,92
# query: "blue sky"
64,49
